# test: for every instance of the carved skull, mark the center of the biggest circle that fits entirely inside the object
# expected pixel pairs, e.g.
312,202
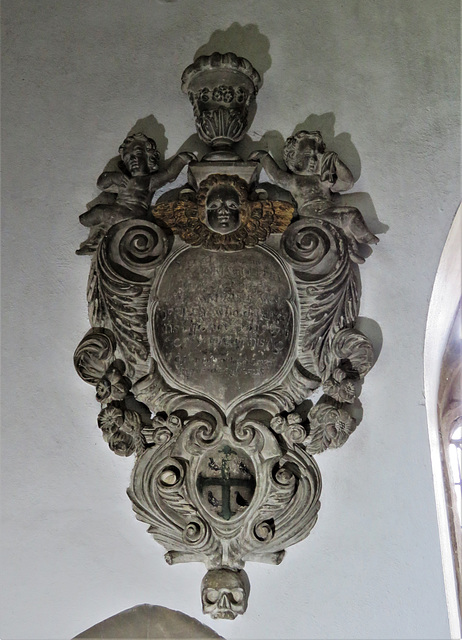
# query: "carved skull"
225,593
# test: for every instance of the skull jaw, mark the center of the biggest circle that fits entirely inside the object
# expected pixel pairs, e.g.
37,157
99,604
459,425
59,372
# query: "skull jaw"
223,614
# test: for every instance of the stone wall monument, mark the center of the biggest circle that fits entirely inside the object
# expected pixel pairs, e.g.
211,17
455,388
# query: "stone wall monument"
215,316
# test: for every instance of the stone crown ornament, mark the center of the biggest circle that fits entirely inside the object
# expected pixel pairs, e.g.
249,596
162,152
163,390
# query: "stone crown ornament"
215,315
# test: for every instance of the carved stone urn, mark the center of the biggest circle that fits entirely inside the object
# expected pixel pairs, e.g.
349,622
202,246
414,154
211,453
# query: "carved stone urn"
221,88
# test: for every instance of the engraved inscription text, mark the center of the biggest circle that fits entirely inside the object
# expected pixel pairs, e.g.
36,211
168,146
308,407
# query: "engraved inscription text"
223,324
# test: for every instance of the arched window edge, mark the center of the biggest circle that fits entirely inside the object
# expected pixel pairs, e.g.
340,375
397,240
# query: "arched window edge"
444,302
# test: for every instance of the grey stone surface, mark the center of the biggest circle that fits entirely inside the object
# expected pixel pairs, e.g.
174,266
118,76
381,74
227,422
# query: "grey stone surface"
230,327
149,622
381,81
200,171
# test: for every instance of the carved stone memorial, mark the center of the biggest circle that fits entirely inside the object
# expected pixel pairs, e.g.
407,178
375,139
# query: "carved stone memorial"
215,315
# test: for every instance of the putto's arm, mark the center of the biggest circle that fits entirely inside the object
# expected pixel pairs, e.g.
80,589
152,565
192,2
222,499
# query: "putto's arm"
111,181
342,177
172,171
281,178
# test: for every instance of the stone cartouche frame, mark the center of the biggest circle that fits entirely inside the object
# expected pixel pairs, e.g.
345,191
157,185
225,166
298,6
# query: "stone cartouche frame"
215,315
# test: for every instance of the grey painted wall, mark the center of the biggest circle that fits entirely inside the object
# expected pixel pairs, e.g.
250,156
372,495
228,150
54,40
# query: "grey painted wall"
381,80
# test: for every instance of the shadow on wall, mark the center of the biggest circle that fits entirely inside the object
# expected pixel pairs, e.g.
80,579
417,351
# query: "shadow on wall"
245,41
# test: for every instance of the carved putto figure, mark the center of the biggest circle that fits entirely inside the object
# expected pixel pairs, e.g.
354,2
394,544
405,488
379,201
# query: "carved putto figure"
314,174
216,313
134,189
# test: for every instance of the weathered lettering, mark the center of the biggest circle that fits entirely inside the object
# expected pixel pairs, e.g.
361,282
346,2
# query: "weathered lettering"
223,322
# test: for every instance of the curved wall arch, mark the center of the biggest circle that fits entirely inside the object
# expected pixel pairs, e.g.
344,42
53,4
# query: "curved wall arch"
444,305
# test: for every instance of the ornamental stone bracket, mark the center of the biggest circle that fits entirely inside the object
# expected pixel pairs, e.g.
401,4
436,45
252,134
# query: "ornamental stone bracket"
215,316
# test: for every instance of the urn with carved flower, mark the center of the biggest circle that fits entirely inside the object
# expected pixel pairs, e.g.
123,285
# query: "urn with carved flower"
221,88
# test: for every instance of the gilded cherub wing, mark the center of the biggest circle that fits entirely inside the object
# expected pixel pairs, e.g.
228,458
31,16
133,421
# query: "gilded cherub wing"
266,217
278,213
262,218
181,217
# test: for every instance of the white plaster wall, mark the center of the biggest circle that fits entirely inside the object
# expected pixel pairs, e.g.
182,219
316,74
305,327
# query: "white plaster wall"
77,76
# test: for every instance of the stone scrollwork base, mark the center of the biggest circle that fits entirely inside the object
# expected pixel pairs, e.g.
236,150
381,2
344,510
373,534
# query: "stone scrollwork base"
215,314
224,495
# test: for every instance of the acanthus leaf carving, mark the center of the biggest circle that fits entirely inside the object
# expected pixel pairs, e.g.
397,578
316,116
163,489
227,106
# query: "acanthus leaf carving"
94,354
120,284
237,528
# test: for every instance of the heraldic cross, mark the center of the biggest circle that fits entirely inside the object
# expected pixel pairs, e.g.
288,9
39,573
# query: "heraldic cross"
227,482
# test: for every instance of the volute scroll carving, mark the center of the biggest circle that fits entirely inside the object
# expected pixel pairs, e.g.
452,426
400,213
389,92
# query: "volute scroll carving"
216,314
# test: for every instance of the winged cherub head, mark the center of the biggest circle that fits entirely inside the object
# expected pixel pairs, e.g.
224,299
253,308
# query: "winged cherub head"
223,217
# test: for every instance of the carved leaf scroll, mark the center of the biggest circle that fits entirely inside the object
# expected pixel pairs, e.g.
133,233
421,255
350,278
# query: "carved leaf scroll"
94,354
119,287
283,509
158,495
327,282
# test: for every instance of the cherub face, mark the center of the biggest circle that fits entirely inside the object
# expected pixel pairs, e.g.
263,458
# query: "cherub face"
304,158
135,159
223,209
225,593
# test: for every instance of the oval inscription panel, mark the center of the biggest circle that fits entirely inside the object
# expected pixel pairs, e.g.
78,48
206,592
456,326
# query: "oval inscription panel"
222,324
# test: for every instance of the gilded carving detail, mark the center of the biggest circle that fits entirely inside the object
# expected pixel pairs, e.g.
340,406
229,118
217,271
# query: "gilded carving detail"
223,217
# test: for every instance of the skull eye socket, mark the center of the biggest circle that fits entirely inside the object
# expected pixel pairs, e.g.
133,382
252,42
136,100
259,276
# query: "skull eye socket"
237,595
211,596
